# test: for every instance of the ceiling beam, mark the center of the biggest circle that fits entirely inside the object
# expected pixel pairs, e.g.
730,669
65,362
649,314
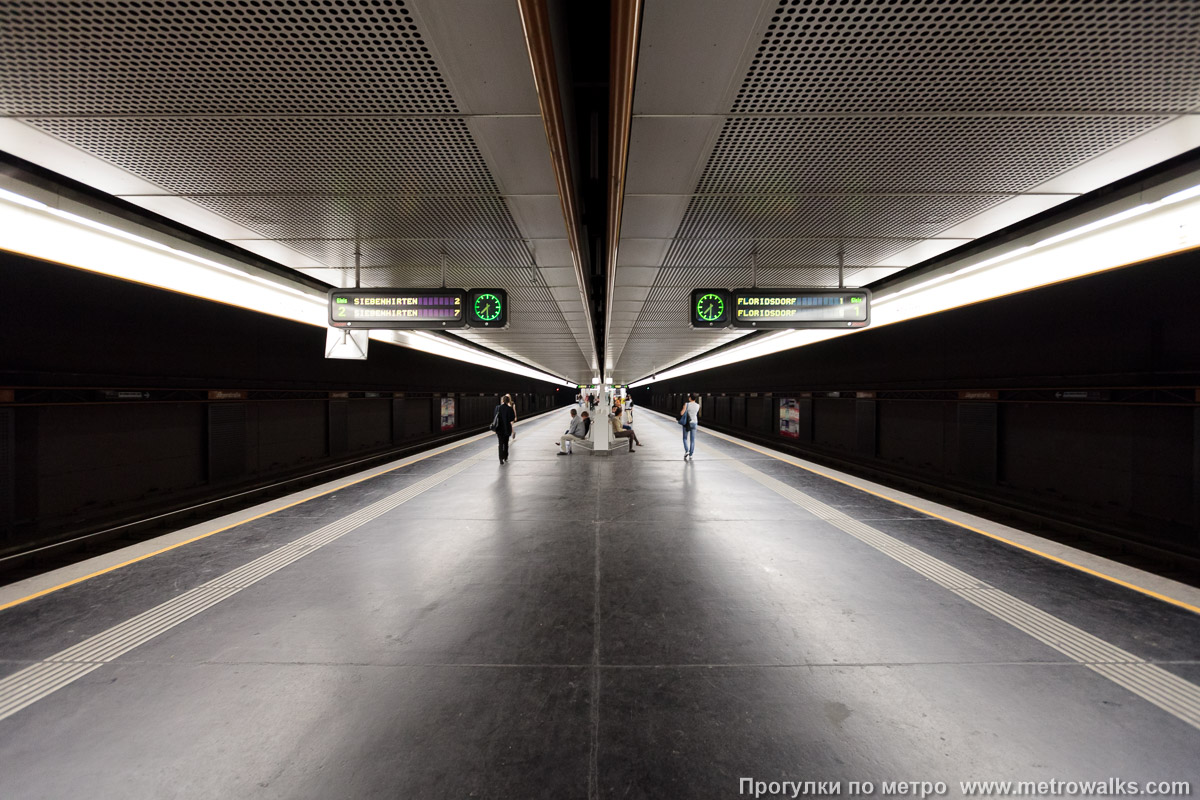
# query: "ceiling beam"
626,25
535,18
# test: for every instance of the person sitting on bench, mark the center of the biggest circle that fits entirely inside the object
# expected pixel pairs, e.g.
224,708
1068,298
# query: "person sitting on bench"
614,419
575,432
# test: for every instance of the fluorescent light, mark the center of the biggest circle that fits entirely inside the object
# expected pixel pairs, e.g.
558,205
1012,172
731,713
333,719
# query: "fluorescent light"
1186,194
447,348
21,200
66,238
35,229
1137,234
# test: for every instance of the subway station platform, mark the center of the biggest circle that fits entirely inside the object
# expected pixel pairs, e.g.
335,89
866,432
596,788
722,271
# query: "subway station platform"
575,627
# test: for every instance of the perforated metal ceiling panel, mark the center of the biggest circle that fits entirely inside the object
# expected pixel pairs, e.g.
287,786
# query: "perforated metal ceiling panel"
1110,56
419,217
739,254
880,129
416,260
799,216
880,154
187,155
67,57
313,124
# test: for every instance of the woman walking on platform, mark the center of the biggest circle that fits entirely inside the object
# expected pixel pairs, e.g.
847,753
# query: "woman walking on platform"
689,418
505,417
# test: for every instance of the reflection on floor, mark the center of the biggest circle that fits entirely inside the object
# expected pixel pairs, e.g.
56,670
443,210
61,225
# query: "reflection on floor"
629,626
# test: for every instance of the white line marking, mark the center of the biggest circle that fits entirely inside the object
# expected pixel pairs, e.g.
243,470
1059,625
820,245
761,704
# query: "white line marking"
31,684
1168,691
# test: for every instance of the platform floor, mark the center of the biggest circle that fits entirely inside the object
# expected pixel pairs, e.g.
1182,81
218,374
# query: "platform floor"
634,626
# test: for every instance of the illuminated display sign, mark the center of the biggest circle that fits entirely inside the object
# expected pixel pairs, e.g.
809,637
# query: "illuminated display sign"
789,417
397,308
801,308
711,308
487,308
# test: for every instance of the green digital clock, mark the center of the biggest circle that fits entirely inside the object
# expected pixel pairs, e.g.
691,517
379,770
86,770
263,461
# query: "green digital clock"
487,308
710,308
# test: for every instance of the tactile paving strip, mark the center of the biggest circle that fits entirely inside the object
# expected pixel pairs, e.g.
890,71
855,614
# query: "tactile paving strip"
1164,689
39,680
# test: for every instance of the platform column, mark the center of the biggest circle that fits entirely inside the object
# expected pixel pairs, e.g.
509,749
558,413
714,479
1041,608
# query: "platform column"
601,432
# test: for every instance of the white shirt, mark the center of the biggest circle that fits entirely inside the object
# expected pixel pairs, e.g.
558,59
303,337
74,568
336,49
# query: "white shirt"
693,412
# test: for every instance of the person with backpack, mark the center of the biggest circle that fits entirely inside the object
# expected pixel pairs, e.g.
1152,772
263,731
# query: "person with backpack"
502,425
689,418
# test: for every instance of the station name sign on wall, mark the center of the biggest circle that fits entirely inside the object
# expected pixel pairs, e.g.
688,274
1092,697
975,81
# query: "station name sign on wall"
781,308
417,309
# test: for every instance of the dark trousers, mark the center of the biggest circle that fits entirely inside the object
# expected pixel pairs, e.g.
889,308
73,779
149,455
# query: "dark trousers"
503,440
628,435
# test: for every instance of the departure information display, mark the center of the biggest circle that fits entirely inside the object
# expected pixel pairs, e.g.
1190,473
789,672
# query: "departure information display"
801,308
421,309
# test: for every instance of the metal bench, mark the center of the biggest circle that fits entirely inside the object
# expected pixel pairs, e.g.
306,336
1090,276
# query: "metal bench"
588,445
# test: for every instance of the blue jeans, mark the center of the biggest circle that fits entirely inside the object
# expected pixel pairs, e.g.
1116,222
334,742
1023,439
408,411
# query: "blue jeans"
689,431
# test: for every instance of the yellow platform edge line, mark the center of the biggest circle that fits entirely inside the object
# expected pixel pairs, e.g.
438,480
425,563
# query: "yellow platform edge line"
106,570
1148,592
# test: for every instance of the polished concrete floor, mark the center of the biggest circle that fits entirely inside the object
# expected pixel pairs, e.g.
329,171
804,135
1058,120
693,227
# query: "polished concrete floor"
633,626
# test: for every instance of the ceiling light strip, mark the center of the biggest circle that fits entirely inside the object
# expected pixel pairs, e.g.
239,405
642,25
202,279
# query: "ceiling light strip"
1128,237
38,230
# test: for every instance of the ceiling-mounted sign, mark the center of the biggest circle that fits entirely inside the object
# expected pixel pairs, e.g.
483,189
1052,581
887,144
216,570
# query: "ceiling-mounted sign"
346,343
421,309
710,308
801,308
487,308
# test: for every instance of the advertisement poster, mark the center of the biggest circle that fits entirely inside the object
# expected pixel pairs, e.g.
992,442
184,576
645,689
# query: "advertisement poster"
789,417
447,413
